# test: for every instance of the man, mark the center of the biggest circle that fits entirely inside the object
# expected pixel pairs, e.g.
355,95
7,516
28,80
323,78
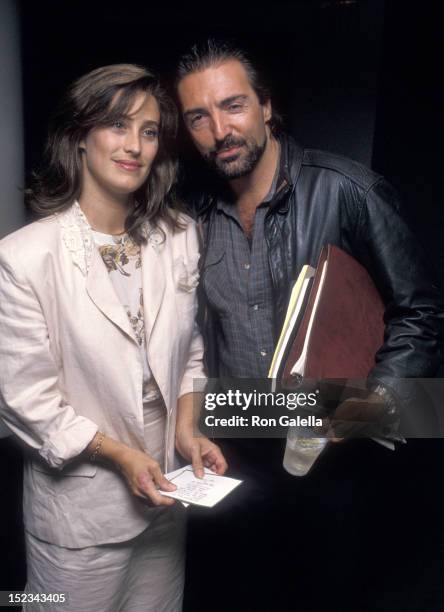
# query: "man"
271,210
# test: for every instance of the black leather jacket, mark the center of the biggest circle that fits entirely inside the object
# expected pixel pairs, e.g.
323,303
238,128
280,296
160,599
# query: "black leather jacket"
331,199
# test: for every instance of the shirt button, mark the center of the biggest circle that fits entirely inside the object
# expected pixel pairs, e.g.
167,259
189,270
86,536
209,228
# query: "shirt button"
246,266
255,307
263,353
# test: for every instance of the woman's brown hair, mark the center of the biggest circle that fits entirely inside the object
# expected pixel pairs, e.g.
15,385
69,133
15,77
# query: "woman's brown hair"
92,101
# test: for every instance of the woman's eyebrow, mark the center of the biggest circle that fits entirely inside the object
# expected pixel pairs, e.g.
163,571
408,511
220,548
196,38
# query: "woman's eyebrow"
147,122
151,122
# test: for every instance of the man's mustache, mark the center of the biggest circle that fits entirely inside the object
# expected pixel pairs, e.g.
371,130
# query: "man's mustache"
227,143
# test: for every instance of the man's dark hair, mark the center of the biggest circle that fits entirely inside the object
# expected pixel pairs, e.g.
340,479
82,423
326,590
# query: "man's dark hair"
213,52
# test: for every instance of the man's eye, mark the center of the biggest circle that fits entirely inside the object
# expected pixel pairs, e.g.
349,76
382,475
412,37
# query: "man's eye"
119,125
235,107
196,120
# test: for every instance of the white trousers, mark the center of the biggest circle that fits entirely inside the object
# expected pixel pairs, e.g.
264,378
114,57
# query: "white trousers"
145,574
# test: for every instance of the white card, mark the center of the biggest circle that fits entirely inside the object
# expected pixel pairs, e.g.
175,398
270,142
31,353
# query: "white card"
206,491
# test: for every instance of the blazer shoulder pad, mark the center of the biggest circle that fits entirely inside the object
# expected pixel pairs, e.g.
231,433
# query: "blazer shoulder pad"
30,241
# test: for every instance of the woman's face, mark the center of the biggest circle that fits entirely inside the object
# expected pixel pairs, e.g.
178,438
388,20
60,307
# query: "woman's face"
117,159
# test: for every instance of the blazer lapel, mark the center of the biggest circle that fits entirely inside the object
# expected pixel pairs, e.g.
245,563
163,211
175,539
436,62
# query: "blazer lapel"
153,280
78,238
101,292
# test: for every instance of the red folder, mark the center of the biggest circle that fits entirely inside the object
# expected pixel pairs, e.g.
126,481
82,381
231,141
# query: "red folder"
347,326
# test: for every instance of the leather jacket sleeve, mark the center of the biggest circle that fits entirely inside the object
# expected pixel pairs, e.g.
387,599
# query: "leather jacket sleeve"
414,315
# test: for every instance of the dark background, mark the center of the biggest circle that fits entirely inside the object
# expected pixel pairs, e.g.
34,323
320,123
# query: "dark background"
357,77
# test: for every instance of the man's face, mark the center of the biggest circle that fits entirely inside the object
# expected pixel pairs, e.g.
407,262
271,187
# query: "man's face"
225,118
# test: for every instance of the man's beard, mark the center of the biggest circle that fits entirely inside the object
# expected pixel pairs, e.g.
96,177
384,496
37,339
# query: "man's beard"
241,163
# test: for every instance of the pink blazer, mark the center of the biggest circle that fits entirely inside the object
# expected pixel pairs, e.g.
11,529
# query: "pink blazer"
69,365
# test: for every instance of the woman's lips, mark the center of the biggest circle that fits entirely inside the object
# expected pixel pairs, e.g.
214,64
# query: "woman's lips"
128,165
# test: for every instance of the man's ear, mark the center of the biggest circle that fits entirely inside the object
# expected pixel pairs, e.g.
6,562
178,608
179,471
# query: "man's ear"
266,110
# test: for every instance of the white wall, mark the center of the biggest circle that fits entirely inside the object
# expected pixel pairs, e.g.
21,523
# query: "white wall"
12,212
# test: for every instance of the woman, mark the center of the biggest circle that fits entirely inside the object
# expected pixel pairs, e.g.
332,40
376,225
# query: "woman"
99,350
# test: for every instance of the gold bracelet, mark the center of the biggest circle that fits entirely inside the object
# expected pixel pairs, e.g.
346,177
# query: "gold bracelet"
96,451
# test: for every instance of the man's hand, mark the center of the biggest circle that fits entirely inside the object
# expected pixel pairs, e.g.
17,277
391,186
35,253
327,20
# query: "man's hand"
357,416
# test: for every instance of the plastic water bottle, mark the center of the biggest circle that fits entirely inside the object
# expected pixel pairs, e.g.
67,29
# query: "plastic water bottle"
302,450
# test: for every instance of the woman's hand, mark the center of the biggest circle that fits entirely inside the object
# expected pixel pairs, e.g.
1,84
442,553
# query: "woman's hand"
142,473
196,449
144,477
200,452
